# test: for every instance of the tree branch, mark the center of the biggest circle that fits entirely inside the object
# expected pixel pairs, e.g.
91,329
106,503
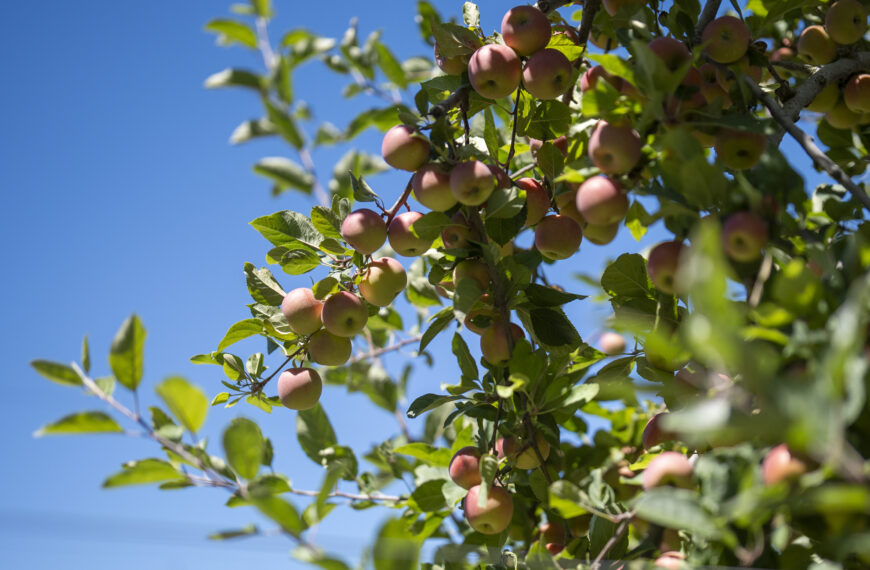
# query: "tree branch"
403,199
590,9
711,8
377,352
620,530
823,76
455,98
351,496
547,6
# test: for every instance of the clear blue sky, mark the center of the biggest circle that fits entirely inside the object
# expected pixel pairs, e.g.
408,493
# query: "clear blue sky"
121,193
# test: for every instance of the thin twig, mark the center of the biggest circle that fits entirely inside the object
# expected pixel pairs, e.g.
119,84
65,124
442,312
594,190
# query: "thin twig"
620,530
510,156
547,6
308,164
379,351
403,199
264,44
763,276
351,496
523,170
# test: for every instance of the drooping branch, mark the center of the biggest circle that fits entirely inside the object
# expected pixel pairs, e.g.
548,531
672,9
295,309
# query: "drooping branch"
590,9
823,76
711,8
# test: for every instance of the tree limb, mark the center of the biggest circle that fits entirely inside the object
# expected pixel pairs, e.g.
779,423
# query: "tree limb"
590,8
620,530
403,199
455,98
711,8
823,76
547,6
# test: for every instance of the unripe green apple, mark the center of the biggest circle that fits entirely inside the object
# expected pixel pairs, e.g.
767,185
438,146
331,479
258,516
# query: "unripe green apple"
558,237
815,46
841,117
566,201
494,71
601,201
364,230
383,279
455,65
780,465
600,235
654,434
494,516
537,200
614,149
725,39
460,234
518,450
846,21
856,95
327,349
739,150
464,468
402,150
431,186
744,235
547,74
826,99
662,265
494,342
472,182
402,239
299,388
614,6
302,311
482,308
472,269
612,343
669,468
671,51
344,314
525,29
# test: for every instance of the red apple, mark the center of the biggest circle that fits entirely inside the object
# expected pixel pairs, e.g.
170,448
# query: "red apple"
601,201
431,186
846,21
662,265
459,235
299,388
482,308
473,269
614,6
673,52
614,149
671,560
612,343
327,349
669,468
494,343
815,46
725,39
402,239
403,150
525,29
780,465
364,230
739,150
472,182
713,86
547,74
494,71
344,314
744,235
518,450
560,143
455,65
856,95
654,434
537,200
494,516
554,537
302,311
558,237
382,280
464,468
566,201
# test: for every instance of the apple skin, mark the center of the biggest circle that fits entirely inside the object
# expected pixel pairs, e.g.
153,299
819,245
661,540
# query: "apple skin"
494,516
601,201
739,150
494,71
553,536
402,150
780,465
472,182
744,235
654,434
841,117
494,344
662,265
472,269
815,46
856,95
302,311
826,99
344,314
460,235
600,235
527,458
364,230
327,349
713,86
456,65
464,468
612,343
613,6
846,21
591,76
537,200
299,388
560,143
725,39
525,29
668,468
547,74
402,240
671,560
614,149
672,51
558,237
567,203
481,308
431,186
579,526
383,279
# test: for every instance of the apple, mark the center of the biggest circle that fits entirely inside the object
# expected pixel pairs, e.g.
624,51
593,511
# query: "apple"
614,149
502,178
668,468
579,526
780,465
560,143
327,349
494,71
671,560
525,29
614,6
402,239
472,182
482,309
744,235
612,343
554,537
547,74
302,311
472,269
344,314
464,468
600,235
364,230
382,280
745,66
299,388
725,39
856,95
456,65
494,342
713,86
518,450
672,52
494,516
459,235
782,53
846,21
591,76
654,434
601,40
739,150
403,150
431,186
826,99
841,117
558,237
815,46
662,265
601,201
537,200
689,95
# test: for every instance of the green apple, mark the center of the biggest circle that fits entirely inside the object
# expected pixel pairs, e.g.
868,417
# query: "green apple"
481,315
299,388
846,21
496,513
431,186
494,342
614,149
558,237
601,201
525,29
725,39
840,116
364,230
402,239
456,65
600,235
826,99
856,95
473,269
382,280
494,71
518,450
472,182
464,468
403,149
815,46
668,468
302,311
662,265
579,526
744,235
344,314
566,201
780,465
327,349
547,74
739,150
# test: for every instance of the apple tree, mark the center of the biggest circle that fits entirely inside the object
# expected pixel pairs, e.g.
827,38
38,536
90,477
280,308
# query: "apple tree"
733,379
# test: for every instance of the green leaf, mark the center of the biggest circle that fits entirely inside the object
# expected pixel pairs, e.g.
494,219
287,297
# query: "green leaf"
251,130
568,499
391,67
280,511
263,8
286,126
231,31
235,78
187,402
490,133
248,530
314,432
626,277
57,372
126,356
553,328
543,296
81,422
467,364
454,40
550,160
143,472
86,355
285,173
548,120
430,225
243,446
239,331
362,192
439,322
326,222
288,229
429,497
428,454
262,286
676,508
395,548
427,402
471,15
220,398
